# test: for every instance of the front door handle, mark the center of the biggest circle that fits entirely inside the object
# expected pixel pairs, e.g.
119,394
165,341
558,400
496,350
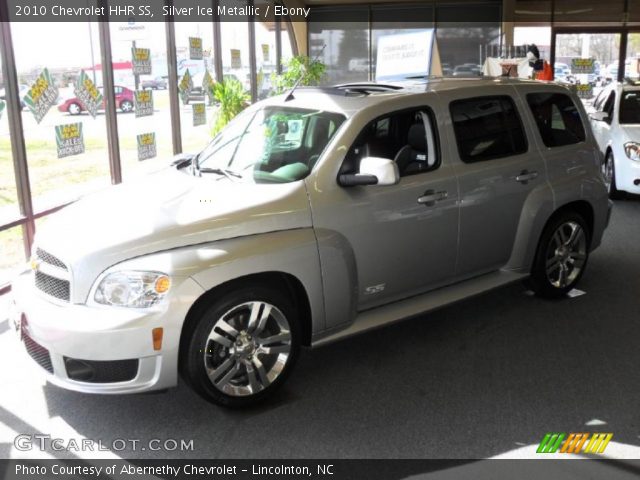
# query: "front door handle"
430,197
525,176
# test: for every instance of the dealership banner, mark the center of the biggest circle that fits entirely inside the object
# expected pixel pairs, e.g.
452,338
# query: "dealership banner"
69,139
146,146
199,114
584,90
582,65
195,48
403,55
185,86
88,94
141,61
333,469
236,58
207,86
42,95
144,103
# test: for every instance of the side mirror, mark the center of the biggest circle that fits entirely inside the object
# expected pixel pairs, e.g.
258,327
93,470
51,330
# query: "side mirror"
373,171
599,116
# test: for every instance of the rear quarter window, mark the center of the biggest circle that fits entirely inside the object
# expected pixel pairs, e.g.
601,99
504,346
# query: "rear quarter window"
487,128
557,118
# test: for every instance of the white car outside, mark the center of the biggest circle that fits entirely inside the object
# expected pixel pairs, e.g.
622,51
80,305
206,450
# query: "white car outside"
615,119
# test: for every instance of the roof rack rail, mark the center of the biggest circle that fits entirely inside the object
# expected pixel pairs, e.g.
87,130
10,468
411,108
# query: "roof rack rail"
368,87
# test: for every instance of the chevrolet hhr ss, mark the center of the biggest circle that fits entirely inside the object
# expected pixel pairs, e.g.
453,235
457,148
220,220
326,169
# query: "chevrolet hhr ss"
311,217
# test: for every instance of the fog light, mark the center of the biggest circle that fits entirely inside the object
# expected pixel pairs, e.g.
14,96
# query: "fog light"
79,370
156,334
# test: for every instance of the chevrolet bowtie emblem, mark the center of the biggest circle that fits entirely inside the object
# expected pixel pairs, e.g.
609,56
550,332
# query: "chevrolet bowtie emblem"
35,263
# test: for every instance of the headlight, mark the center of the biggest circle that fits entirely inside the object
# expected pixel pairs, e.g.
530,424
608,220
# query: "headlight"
632,149
132,289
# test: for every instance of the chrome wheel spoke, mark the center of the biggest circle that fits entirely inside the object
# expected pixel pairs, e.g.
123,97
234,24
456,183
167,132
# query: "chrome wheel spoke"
228,376
254,382
260,321
253,317
575,231
216,337
262,373
214,374
553,266
279,338
225,327
562,278
274,349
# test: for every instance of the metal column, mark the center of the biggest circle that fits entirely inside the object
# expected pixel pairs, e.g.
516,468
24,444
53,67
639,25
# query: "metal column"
109,94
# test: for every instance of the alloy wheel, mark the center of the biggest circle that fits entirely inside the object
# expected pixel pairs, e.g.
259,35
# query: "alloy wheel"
566,254
247,348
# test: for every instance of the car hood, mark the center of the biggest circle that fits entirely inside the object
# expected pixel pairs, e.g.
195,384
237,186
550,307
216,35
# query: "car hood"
162,211
631,132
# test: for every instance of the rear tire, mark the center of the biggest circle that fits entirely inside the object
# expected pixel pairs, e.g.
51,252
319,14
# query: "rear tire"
562,255
126,106
74,109
242,347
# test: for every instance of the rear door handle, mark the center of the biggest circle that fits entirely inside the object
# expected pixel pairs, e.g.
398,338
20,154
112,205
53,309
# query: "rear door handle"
430,197
525,176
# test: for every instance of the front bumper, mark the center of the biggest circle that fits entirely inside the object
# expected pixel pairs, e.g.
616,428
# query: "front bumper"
627,174
110,338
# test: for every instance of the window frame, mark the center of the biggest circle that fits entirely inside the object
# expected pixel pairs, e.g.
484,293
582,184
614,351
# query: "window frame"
518,114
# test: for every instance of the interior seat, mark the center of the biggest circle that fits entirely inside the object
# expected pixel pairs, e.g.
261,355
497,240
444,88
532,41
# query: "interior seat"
413,157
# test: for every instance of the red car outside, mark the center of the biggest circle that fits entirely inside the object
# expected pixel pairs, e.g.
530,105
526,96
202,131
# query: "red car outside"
124,101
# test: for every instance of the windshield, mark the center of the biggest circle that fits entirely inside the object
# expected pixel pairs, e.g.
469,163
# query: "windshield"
272,145
630,107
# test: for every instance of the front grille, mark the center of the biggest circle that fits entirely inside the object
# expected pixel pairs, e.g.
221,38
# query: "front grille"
50,259
37,352
52,286
101,371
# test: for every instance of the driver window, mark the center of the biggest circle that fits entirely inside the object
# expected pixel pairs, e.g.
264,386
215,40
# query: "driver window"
407,137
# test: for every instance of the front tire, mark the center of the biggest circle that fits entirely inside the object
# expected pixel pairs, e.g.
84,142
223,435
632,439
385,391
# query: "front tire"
609,174
243,346
561,256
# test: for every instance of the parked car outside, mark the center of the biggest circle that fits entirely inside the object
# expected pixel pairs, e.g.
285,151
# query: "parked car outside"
23,90
158,83
311,217
124,101
615,119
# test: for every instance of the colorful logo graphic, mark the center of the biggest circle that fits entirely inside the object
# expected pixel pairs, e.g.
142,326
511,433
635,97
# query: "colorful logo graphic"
574,443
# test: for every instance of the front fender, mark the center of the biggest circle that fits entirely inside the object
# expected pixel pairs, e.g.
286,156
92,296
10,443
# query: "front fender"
293,252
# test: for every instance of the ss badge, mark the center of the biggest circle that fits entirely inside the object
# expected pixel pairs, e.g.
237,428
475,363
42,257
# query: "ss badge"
373,289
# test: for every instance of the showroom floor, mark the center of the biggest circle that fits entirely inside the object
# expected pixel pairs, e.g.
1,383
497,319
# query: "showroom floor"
486,377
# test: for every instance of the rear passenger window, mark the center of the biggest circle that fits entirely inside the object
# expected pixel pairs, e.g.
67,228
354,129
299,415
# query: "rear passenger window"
487,128
557,117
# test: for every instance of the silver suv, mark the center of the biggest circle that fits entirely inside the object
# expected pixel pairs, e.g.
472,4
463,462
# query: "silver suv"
313,216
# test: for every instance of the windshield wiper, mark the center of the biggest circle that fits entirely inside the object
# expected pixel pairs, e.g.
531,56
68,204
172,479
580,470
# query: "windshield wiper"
220,171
